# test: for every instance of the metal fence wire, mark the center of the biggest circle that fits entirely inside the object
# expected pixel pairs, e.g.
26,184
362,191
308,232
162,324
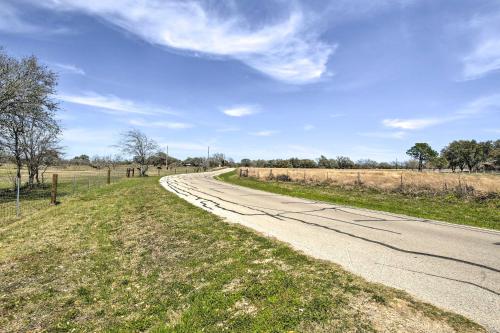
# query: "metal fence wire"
18,199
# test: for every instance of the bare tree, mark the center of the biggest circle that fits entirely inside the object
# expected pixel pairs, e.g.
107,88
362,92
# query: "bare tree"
344,162
217,160
50,158
39,144
80,160
140,147
108,162
26,88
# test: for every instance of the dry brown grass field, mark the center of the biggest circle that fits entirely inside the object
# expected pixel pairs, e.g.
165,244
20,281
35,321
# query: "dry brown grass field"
388,179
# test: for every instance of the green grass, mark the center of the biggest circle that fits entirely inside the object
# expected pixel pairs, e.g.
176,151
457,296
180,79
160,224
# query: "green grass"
450,208
38,197
70,181
131,256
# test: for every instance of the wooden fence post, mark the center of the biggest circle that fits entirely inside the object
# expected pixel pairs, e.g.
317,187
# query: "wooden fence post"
53,193
108,180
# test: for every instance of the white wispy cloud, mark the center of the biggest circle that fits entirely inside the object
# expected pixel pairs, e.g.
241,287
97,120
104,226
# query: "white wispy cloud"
264,133
413,124
86,135
12,22
79,140
384,135
481,104
241,110
113,104
484,58
160,124
68,68
288,50
308,127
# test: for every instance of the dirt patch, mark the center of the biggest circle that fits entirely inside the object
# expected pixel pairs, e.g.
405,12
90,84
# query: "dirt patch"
400,317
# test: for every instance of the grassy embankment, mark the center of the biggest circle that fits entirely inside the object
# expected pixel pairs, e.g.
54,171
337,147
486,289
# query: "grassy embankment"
479,212
131,256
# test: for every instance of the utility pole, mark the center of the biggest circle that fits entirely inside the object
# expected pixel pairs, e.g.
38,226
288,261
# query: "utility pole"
166,160
208,158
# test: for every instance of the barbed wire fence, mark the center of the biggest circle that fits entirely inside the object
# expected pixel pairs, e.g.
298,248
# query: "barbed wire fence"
459,183
18,199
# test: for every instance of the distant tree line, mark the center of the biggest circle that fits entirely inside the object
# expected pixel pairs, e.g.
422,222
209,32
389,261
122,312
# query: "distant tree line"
340,162
458,155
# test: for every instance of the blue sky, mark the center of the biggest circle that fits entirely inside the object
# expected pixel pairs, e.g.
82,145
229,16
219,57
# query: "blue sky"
267,79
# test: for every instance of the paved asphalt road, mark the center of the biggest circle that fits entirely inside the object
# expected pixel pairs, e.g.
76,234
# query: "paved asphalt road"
454,267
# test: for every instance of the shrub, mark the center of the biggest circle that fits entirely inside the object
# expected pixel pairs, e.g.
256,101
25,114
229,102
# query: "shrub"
283,178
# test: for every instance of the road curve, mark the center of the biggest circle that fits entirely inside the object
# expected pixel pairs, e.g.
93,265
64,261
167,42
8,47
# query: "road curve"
454,267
